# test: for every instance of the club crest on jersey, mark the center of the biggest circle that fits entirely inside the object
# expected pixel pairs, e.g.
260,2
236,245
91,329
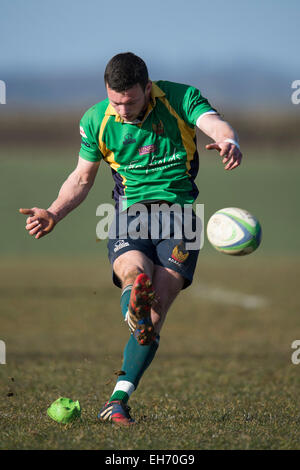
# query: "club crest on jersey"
158,128
179,254
120,244
128,139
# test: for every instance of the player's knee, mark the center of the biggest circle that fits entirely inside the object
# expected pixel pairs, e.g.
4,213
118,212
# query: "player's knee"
129,274
129,265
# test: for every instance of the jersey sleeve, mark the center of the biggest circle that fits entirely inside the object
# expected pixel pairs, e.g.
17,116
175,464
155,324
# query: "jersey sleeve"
195,105
89,149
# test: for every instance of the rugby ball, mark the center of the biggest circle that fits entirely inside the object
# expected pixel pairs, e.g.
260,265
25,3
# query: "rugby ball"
234,231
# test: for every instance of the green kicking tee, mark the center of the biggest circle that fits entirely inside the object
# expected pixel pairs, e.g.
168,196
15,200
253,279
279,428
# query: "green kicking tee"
152,159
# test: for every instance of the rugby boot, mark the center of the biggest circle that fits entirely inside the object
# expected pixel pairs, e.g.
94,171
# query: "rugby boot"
138,315
117,412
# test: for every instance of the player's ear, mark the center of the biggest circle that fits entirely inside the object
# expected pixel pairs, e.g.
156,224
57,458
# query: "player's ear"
148,88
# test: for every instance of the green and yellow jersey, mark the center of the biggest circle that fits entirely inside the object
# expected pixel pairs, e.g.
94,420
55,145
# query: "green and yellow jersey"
155,159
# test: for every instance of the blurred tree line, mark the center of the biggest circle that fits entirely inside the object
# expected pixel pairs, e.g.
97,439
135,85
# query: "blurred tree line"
264,130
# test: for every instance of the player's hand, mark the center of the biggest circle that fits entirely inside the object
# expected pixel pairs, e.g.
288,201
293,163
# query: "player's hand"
231,154
40,221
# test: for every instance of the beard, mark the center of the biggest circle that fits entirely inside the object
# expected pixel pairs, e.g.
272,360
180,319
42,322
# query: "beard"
138,116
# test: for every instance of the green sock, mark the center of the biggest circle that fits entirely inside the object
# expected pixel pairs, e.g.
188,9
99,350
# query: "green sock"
136,360
125,296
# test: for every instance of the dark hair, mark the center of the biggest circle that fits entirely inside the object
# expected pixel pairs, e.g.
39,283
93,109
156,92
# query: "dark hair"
124,71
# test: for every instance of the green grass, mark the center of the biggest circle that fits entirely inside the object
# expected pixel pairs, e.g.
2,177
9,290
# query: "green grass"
222,379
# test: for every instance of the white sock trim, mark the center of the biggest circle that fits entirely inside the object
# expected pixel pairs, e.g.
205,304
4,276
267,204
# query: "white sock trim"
126,288
129,322
124,386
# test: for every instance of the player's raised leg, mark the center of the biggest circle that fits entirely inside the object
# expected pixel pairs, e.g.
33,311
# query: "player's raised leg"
135,269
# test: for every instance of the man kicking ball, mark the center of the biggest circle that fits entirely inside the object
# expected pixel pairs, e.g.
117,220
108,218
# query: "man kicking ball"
145,131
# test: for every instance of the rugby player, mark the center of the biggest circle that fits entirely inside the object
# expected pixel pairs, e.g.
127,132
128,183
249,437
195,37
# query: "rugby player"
145,131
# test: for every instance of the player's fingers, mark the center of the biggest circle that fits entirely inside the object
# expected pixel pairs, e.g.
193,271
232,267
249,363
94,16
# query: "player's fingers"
35,229
40,234
26,211
30,212
231,162
32,225
225,151
212,146
228,167
42,231
50,226
229,155
32,219
235,164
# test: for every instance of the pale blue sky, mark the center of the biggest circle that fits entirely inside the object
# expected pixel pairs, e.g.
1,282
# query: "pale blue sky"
58,35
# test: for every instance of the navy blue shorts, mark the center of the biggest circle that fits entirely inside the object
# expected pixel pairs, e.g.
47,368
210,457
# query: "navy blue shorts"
172,243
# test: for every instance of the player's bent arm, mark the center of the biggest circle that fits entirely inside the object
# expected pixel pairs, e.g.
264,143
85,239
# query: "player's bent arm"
71,194
225,139
216,128
75,189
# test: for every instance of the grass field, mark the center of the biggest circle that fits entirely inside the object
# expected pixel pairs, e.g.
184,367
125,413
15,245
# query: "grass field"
223,376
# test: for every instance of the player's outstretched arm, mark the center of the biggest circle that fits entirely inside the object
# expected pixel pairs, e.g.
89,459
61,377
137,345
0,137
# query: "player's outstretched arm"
74,190
225,139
